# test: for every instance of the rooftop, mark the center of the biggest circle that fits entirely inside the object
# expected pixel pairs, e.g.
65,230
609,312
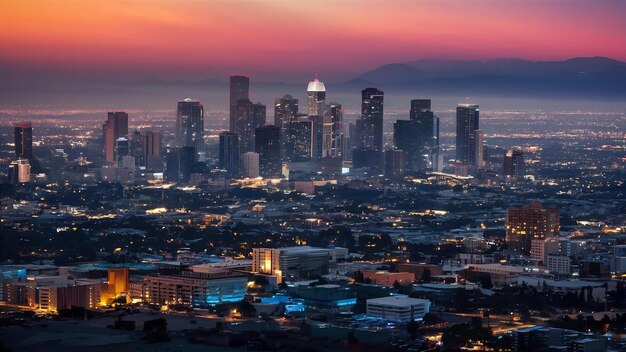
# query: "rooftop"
316,86
398,301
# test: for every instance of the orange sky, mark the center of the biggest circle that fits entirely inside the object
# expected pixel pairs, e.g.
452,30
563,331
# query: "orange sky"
278,38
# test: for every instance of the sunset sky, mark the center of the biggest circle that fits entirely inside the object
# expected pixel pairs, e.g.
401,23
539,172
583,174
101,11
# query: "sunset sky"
291,39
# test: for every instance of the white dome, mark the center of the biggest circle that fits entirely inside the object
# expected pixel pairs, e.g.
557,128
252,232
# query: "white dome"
316,86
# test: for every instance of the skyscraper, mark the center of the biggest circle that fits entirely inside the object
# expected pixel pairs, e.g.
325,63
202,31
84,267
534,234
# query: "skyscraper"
395,163
239,90
116,126
336,114
180,164
122,148
190,124
316,98
302,137
248,116
530,222
250,165
19,171
514,163
467,123
285,113
370,126
267,145
58,159
151,143
419,137
24,140
229,153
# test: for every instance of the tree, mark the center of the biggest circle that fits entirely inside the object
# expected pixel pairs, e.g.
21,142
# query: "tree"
246,309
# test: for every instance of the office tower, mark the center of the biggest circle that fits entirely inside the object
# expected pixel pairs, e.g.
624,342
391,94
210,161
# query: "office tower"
478,148
322,135
302,137
19,171
467,122
250,165
116,126
122,148
528,223
285,113
259,114
118,282
370,127
349,139
267,145
316,98
135,148
24,140
151,145
419,137
419,106
372,117
336,114
190,124
395,163
229,153
239,90
301,261
58,159
248,116
514,163
180,164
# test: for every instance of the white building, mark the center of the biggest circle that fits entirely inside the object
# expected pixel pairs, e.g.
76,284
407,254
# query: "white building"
299,261
250,165
19,171
559,264
398,308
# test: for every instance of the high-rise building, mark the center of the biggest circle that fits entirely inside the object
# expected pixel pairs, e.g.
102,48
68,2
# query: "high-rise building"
58,159
116,126
180,164
239,90
250,165
267,145
370,126
336,114
395,163
419,137
528,223
302,137
151,145
248,117
467,123
285,113
24,140
190,124
229,153
316,98
372,101
514,163
322,136
135,145
122,148
19,171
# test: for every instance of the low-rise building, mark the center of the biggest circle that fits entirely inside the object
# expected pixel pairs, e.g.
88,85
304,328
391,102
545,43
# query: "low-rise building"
398,308
195,289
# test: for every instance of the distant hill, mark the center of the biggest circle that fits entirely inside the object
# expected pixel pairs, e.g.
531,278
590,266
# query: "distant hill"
591,76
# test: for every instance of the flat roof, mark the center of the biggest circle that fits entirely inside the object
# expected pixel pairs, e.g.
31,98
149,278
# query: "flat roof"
398,301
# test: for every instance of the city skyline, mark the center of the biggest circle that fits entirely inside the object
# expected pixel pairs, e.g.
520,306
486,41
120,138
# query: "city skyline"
330,175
